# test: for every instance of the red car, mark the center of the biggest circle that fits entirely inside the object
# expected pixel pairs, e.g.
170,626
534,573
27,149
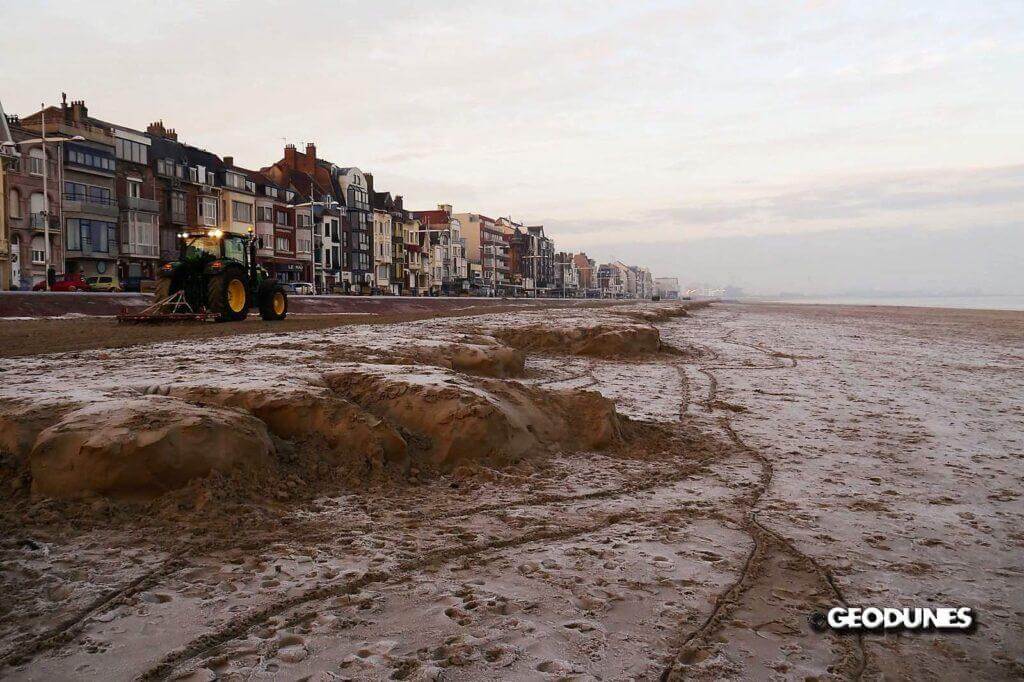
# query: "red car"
73,283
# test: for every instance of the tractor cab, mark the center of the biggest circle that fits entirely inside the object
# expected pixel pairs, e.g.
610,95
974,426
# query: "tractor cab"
216,244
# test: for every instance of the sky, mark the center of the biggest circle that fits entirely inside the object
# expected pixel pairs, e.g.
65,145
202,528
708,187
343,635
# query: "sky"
779,146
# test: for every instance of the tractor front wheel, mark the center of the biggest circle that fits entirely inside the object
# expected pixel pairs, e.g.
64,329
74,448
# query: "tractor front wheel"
228,297
273,302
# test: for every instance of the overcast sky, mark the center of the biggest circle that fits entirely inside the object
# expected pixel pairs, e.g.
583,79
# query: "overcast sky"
715,141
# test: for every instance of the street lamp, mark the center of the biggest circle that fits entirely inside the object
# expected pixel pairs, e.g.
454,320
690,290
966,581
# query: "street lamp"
46,188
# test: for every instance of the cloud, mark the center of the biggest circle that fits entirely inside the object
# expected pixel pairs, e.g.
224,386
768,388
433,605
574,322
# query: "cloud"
933,199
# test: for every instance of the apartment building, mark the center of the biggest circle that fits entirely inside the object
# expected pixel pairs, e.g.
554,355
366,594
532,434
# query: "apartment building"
487,252
567,275
384,202
446,248
87,166
587,269
23,215
382,251
136,190
341,188
544,268
523,255
327,244
186,186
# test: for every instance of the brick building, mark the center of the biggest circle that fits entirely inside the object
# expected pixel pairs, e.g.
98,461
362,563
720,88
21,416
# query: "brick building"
87,167
23,208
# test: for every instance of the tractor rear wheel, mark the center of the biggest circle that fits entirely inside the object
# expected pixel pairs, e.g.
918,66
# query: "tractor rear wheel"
228,296
273,302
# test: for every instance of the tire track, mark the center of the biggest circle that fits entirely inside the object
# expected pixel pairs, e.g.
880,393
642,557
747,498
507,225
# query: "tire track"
764,539
208,643
69,628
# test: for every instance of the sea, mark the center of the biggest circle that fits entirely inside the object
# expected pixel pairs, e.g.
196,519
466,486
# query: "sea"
1008,302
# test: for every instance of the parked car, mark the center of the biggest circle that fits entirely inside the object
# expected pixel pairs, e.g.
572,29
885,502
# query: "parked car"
73,283
104,283
302,288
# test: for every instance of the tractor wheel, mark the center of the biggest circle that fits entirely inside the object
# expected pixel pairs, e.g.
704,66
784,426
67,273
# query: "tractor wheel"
163,289
228,296
273,302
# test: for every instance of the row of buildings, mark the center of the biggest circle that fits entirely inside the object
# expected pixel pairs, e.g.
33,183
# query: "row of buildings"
84,195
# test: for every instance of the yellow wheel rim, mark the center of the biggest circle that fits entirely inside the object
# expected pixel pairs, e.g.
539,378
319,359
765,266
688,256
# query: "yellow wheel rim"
236,296
278,303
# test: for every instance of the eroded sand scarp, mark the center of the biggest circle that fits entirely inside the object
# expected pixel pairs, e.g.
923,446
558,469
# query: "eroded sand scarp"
461,419
663,515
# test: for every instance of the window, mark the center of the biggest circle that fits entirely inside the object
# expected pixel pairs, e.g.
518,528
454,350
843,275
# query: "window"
282,218
38,253
178,207
131,151
74,236
208,211
134,189
234,180
169,168
281,243
264,213
14,204
92,158
141,234
271,191
36,158
36,204
357,197
93,235
304,219
241,211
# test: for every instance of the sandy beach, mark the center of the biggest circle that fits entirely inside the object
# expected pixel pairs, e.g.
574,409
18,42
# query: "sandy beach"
633,492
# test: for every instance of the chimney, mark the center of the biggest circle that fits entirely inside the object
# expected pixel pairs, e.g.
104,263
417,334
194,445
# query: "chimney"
157,129
398,202
311,150
79,112
447,208
289,155
229,161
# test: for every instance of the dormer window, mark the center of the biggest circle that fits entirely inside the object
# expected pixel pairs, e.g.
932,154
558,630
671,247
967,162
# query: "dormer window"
271,191
234,180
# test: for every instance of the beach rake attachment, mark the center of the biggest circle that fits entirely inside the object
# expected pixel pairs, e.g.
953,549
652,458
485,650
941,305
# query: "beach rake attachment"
174,308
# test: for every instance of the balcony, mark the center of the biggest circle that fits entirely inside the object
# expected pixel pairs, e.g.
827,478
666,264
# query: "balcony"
76,203
37,221
141,250
140,204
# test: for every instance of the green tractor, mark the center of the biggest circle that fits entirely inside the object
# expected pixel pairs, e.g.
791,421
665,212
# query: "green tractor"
217,272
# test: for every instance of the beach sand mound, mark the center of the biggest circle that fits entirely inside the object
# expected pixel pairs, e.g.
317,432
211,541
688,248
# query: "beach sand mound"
453,419
350,433
21,422
478,355
597,340
143,447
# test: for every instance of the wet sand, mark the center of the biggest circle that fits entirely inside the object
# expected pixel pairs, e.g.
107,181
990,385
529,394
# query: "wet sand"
20,337
782,459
